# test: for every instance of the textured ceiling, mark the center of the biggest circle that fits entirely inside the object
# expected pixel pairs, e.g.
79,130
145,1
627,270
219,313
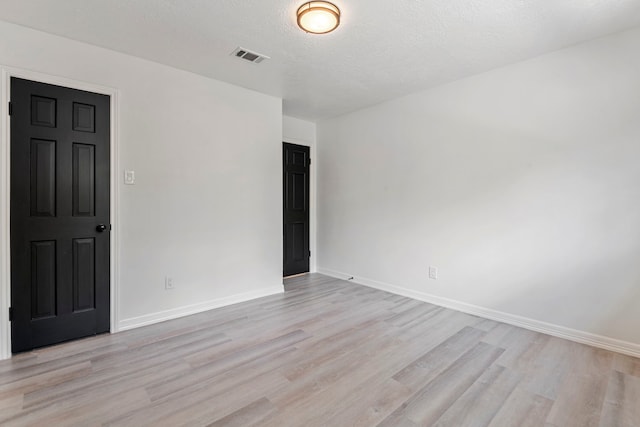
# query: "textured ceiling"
382,49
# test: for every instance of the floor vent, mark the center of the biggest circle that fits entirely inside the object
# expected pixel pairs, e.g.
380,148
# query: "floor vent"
248,55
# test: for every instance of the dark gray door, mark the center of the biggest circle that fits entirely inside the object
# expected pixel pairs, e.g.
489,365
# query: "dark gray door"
59,214
296,164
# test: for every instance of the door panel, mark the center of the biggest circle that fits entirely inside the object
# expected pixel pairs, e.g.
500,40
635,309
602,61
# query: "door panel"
83,179
296,164
43,178
84,117
43,279
43,111
59,194
84,254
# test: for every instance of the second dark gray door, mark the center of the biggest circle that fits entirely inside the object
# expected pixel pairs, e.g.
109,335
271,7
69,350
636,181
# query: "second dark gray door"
296,164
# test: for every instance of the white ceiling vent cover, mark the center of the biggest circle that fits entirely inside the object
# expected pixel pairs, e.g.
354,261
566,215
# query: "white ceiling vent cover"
249,55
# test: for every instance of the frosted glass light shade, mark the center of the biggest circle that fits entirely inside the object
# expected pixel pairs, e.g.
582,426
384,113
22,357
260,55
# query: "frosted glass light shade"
318,17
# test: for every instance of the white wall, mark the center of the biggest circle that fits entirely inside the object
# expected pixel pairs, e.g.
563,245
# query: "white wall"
303,132
207,205
298,131
521,184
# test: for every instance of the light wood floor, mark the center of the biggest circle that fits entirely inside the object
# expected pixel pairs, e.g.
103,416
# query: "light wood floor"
326,353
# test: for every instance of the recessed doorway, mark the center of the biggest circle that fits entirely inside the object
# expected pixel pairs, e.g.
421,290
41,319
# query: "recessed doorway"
296,163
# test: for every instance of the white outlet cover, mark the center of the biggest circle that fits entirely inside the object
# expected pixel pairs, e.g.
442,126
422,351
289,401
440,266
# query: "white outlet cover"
433,272
129,177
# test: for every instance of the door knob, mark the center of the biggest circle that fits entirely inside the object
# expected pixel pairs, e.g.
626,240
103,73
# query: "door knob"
100,228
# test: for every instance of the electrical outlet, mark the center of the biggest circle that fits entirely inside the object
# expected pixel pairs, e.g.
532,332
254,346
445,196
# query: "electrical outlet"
129,177
433,272
168,283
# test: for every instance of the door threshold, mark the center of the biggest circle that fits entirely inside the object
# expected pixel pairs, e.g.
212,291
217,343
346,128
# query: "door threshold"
295,275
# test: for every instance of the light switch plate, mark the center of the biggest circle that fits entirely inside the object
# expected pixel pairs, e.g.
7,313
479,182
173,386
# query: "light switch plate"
129,177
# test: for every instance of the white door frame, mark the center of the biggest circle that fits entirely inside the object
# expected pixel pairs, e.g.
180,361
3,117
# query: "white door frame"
5,196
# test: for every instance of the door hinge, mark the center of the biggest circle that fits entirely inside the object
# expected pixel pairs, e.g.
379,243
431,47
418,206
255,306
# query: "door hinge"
309,254
309,161
10,108
10,314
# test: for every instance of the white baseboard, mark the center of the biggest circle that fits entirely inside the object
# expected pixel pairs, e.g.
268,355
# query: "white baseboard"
582,337
161,316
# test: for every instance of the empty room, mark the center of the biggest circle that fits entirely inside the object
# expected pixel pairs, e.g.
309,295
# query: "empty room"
307,214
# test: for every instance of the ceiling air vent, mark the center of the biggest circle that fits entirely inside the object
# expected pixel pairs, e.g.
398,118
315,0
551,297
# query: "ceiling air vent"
248,55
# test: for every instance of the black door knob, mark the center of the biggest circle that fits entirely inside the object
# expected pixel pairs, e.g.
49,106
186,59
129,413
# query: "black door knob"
100,228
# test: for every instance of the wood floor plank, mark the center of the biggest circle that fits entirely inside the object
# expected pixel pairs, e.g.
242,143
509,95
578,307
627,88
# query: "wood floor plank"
200,406
81,411
483,399
247,353
549,368
248,416
368,409
327,352
185,385
522,409
626,364
424,369
343,370
104,385
622,402
417,313
47,379
496,336
431,402
581,397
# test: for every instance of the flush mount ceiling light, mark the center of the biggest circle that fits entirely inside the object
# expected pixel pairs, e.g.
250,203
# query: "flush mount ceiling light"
318,17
